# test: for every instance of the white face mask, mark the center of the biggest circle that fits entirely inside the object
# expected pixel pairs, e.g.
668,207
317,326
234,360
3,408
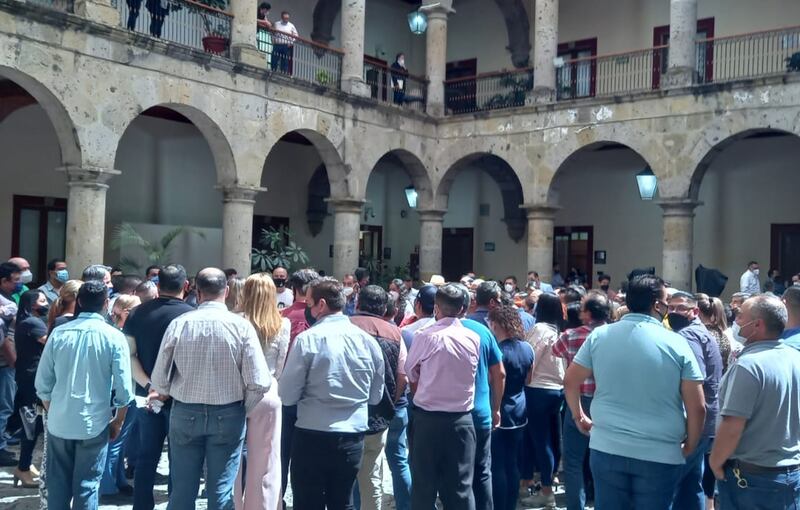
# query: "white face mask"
348,291
756,271
509,288
26,276
737,332
401,61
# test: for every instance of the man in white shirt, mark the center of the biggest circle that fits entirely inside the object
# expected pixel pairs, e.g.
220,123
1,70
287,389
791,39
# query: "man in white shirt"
283,45
285,295
749,283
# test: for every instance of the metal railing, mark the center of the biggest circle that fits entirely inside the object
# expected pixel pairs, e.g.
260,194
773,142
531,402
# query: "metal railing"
489,91
753,55
395,86
180,21
59,5
610,75
300,58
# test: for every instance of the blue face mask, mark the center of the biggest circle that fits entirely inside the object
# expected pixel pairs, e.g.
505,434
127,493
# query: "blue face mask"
154,280
62,275
18,287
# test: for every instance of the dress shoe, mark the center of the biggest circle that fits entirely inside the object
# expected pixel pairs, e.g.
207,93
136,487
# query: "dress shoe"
26,478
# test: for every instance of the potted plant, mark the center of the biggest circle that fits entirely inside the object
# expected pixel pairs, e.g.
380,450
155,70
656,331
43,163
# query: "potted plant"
277,248
156,253
217,27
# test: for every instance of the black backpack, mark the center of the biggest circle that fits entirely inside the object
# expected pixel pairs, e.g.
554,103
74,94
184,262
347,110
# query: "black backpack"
382,414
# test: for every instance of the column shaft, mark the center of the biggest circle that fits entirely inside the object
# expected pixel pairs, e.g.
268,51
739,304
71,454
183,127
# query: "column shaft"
243,33
682,42
436,57
430,243
541,220
353,20
545,49
237,226
346,227
86,215
678,242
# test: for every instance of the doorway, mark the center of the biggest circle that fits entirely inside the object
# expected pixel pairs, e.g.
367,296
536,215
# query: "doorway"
578,76
785,249
705,55
39,232
370,247
457,251
459,89
573,248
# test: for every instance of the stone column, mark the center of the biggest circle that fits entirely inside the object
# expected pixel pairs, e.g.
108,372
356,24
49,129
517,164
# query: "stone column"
237,226
86,215
353,45
541,219
436,55
682,43
100,11
346,227
545,50
678,242
430,242
243,33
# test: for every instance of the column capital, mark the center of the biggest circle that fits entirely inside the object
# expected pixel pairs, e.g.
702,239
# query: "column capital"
437,10
431,214
88,176
346,205
239,193
540,211
678,206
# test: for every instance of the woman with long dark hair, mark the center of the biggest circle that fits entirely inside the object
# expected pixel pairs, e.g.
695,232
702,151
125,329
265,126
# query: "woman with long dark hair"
30,337
544,396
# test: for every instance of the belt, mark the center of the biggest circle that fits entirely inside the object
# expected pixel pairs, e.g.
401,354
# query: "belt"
754,468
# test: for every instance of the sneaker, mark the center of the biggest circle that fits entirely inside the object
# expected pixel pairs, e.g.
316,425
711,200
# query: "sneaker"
7,458
540,500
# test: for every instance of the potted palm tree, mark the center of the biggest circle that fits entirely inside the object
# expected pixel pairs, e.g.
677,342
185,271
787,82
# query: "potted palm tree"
155,252
216,26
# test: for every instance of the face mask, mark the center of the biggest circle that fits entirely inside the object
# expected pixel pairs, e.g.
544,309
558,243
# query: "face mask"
348,291
402,62
509,288
756,271
677,321
62,275
310,319
279,282
154,280
26,276
43,310
737,332
18,287
604,288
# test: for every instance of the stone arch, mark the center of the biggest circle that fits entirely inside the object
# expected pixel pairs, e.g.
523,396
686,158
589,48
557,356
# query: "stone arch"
507,180
416,171
552,191
335,168
67,135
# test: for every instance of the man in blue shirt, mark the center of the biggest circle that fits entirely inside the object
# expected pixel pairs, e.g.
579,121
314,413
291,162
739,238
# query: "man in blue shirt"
791,298
488,296
646,376
82,363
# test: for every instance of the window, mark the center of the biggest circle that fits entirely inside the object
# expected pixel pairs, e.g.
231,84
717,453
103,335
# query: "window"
577,77
705,53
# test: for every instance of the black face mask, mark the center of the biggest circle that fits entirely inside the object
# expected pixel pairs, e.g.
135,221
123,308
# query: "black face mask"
279,282
310,319
604,287
42,311
677,321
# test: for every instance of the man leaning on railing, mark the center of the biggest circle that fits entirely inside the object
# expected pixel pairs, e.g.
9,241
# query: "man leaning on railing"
283,44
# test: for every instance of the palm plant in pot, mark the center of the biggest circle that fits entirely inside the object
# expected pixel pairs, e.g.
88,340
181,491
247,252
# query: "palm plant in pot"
217,26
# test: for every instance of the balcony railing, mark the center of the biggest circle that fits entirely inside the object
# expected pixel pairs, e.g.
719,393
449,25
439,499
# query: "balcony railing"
490,91
395,86
746,56
611,75
300,58
59,5
180,21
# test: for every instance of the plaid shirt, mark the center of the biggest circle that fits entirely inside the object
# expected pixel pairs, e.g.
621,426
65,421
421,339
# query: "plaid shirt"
211,356
567,347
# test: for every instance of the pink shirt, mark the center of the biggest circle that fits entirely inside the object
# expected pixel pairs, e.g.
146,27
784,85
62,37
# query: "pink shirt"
442,361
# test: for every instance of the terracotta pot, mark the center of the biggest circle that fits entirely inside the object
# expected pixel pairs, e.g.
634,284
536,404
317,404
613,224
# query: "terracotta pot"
215,44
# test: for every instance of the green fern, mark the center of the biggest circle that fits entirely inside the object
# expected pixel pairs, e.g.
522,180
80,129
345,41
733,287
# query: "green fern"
156,253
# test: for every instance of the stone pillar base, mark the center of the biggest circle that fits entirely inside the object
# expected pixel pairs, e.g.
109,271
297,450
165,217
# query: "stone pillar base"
678,77
248,55
542,95
356,86
97,10
541,220
346,227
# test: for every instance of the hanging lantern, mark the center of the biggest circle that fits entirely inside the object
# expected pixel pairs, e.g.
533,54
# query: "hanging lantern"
648,184
417,22
411,197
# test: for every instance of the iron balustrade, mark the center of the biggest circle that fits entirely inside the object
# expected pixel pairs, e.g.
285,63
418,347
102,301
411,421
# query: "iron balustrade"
611,75
490,91
300,58
180,21
395,86
745,56
59,5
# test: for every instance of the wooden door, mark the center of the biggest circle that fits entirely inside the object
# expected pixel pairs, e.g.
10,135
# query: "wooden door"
457,252
460,96
39,232
785,249
573,248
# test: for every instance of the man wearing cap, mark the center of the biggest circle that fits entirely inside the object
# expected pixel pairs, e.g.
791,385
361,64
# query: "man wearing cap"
441,368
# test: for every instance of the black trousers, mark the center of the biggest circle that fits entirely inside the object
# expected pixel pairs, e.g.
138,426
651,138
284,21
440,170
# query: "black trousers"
442,460
324,468
288,420
482,479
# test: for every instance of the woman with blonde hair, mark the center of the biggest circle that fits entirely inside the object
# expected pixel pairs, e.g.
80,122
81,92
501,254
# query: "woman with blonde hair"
235,299
63,308
262,488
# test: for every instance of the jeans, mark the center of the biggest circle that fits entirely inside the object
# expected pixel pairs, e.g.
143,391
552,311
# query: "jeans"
442,460
205,433
8,390
397,458
288,419
543,408
576,448
505,467
324,468
623,483
689,493
74,469
281,57
483,476
153,430
765,491
28,445
114,472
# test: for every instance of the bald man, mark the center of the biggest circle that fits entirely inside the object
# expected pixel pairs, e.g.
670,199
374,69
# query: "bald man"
25,276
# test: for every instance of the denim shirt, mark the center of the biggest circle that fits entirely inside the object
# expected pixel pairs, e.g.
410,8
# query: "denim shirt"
82,363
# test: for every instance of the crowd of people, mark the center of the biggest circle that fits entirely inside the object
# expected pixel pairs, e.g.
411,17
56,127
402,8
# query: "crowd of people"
476,393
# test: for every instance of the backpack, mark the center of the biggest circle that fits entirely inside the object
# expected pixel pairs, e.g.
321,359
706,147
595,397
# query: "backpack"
382,414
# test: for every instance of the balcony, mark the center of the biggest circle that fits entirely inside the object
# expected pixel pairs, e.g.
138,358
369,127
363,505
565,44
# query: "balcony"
394,86
300,58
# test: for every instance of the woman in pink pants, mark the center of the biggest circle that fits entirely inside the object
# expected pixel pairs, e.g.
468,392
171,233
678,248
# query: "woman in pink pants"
262,487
